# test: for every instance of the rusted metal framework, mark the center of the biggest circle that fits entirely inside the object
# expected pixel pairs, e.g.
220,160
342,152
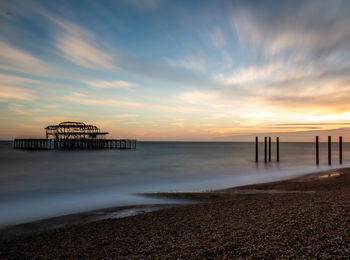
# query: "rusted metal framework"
74,130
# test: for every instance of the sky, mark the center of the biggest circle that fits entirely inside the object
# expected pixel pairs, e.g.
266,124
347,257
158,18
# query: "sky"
177,70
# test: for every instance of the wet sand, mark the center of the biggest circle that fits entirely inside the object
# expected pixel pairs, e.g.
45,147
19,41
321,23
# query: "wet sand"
303,217
42,225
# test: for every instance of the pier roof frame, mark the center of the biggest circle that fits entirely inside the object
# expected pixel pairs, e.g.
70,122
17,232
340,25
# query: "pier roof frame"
74,130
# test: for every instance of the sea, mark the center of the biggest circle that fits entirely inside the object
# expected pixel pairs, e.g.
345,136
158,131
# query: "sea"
41,184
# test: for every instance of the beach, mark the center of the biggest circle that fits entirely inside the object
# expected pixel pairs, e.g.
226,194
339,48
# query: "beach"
307,216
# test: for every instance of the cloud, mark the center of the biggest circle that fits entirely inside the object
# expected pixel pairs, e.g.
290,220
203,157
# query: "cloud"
14,59
200,97
78,94
310,124
286,136
188,63
126,116
52,120
177,124
109,84
17,108
252,74
86,100
9,92
11,79
80,46
217,38
298,26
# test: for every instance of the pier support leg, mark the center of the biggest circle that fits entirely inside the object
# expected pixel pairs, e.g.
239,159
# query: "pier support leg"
256,149
340,149
265,149
269,148
317,151
278,149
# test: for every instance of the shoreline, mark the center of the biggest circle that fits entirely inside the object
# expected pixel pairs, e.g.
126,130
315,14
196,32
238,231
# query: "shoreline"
185,197
65,221
307,216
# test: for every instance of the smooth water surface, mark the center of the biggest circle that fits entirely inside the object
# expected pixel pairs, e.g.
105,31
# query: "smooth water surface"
40,184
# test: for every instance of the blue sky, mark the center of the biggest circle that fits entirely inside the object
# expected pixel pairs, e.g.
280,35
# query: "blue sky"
176,70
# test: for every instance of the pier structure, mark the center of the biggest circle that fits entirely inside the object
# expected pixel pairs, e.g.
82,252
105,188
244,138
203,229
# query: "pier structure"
74,135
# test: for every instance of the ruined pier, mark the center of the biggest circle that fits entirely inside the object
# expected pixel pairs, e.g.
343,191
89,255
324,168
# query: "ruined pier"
71,144
74,135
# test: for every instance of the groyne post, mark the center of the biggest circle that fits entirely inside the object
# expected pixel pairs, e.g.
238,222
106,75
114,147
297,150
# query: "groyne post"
277,149
340,149
269,148
329,150
256,149
265,149
317,151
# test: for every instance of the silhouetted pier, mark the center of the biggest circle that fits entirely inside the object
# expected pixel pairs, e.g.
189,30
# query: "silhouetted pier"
71,144
74,135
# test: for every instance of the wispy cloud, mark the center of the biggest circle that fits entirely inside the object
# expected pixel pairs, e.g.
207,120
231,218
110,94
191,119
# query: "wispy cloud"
18,109
84,99
11,79
252,74
15,59
109,84
80,98
78,94
178,124
217,37
9,92
81,47
47,120
126,116
297,26
188,63
200,97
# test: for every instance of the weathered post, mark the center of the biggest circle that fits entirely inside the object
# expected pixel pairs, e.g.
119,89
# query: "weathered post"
317,152
278,149
340,149
329,150
269,148
256,149
265,149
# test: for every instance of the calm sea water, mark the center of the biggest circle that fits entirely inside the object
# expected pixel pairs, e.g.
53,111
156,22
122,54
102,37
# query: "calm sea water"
40,184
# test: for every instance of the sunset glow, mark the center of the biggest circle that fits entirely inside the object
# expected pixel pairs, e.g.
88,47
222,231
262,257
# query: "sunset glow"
161,70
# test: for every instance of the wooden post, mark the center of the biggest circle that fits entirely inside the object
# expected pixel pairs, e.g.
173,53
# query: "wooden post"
317,152
265,149
269,148
329,150
340,150
278,149
256,149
